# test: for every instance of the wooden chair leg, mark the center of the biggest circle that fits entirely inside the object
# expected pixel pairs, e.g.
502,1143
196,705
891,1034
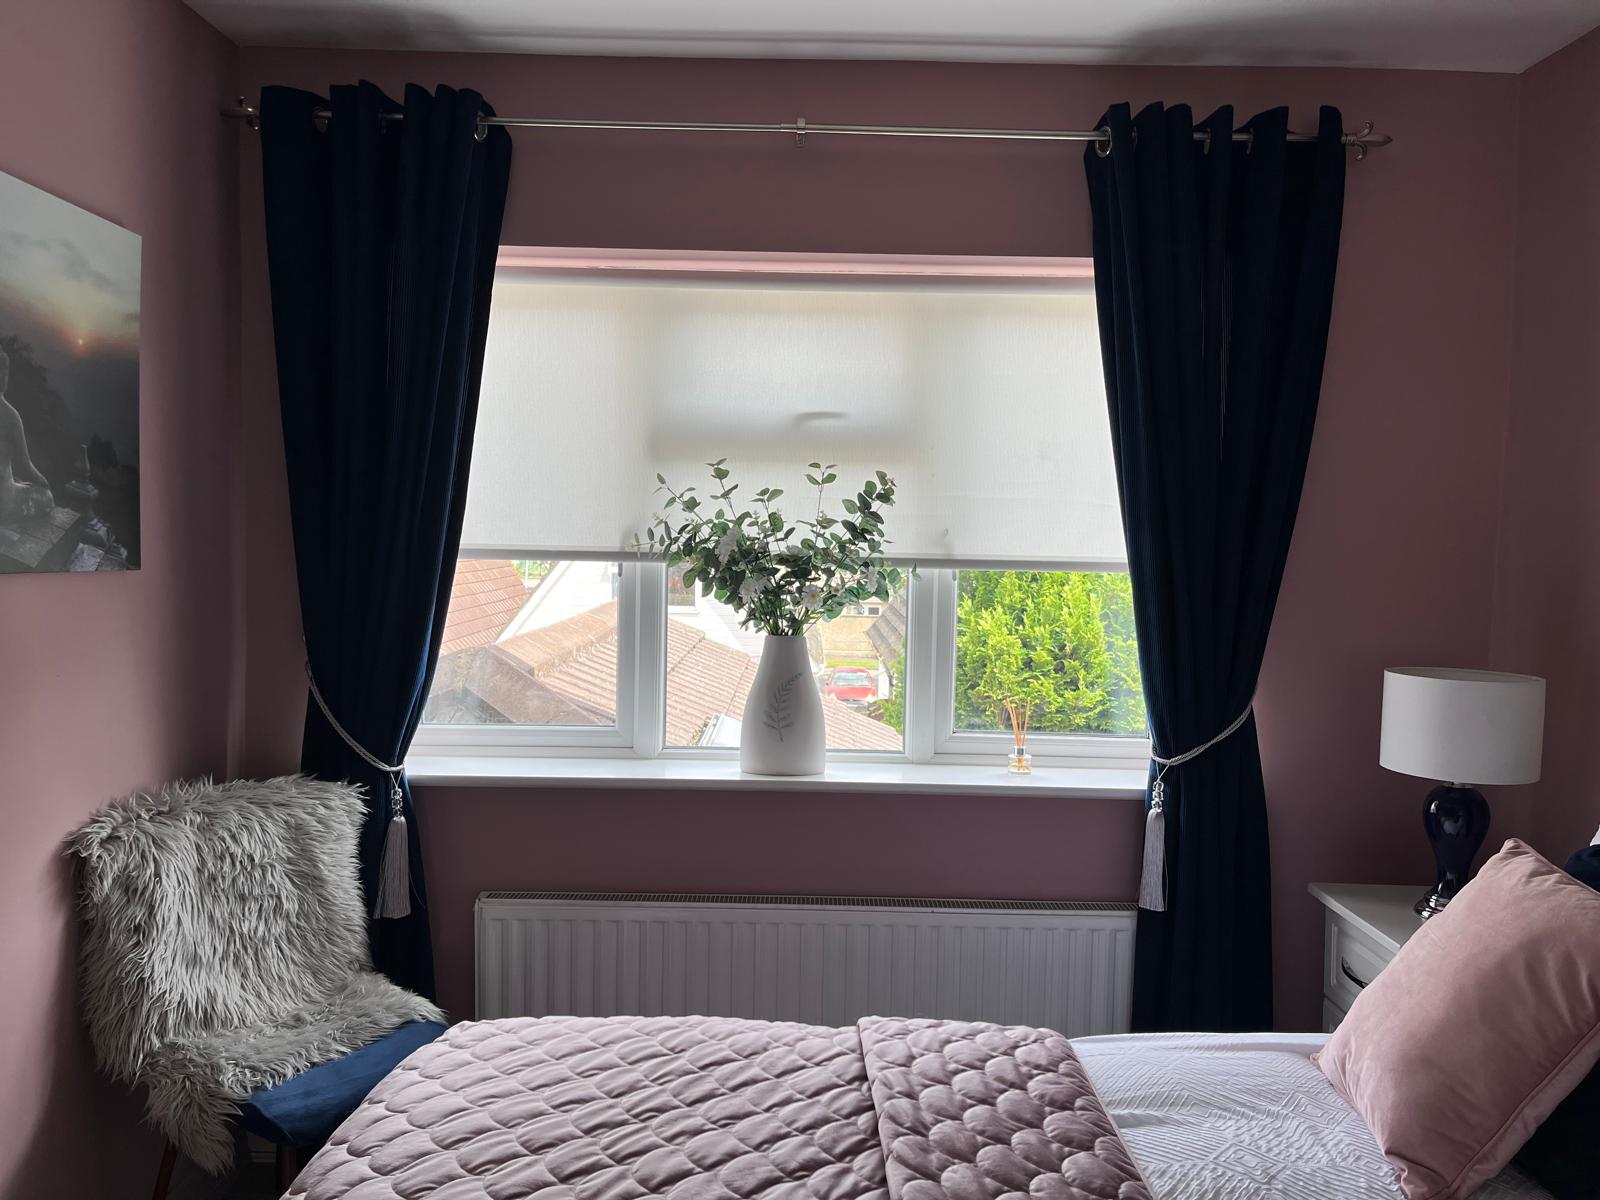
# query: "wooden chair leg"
169,1159
288,1166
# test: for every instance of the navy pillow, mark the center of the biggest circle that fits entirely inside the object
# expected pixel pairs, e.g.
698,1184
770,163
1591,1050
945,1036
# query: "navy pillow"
1563,1154
1585,865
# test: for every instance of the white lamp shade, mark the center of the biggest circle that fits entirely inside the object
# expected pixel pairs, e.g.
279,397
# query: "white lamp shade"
1463,726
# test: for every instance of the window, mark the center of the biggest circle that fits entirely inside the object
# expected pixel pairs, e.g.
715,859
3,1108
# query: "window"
1059,643
976,383
529,642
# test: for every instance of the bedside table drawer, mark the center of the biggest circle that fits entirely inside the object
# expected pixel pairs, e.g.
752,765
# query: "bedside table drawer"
1353,961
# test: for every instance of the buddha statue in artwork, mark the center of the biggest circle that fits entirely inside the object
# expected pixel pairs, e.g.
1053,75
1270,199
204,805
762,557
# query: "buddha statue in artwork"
24,491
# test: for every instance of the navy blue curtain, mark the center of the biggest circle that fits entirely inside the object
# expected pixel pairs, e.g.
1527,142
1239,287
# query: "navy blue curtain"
382,236
1214,267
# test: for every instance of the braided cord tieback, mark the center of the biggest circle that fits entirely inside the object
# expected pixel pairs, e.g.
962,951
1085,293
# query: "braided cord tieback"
1153,873
393,895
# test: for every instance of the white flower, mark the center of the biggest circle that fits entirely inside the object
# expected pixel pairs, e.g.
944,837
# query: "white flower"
727,544
870,580
750,590
811,597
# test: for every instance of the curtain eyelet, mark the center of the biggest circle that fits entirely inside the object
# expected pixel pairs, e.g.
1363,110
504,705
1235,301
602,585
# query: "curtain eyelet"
1102,145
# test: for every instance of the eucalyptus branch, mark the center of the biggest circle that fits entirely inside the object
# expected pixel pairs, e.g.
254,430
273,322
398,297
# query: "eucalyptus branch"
754,562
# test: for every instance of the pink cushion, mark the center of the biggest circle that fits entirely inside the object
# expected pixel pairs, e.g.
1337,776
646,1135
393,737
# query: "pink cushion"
1481,1025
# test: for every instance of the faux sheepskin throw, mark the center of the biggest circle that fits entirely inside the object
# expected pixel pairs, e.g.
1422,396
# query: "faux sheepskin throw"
225,947
720,1108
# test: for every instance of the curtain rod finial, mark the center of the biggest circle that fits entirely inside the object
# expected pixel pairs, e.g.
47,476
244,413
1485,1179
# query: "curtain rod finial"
241,111
1364,140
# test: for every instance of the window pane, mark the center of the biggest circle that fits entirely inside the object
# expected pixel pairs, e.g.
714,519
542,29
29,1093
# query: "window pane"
528,642
1059,643
858,660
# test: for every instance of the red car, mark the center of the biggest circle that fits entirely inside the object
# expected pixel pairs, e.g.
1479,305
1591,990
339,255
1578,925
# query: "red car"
852,685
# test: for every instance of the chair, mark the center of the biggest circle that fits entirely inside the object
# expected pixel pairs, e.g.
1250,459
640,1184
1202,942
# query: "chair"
225,964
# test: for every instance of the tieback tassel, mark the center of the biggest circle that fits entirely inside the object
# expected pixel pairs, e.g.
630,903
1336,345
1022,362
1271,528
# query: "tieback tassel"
1153,875
393,898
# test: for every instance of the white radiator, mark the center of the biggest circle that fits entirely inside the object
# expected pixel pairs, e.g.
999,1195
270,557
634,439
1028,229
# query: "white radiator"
823,960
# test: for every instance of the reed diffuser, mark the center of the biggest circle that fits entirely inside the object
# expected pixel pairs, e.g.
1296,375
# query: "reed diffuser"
1019,761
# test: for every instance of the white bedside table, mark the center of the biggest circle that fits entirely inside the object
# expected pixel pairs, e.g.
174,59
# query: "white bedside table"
1364,926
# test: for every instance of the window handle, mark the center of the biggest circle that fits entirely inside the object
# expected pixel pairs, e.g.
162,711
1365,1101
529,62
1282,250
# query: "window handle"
1351,975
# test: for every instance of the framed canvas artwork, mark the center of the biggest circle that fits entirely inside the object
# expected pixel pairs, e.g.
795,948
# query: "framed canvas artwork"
69,386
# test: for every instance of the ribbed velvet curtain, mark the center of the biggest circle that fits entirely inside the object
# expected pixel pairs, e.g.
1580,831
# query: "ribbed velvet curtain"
382,237
1214,270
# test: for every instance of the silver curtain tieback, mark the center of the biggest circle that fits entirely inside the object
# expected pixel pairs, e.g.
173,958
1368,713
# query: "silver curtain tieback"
1153,874
393,895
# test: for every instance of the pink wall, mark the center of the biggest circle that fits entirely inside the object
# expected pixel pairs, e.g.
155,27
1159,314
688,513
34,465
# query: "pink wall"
1392,563
193,664
116,682
1547,617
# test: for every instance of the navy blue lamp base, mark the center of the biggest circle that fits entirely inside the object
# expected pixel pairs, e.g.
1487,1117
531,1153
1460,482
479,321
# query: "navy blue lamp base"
1456,819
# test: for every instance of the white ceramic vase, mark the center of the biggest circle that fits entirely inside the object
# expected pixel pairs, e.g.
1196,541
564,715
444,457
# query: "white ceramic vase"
782,732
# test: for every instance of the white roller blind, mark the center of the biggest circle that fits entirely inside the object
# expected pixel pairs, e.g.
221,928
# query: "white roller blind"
985,402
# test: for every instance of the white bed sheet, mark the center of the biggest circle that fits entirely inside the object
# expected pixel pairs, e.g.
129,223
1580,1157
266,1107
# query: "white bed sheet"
1246,1117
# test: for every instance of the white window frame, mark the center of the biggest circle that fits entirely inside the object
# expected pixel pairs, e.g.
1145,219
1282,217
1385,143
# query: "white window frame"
930,735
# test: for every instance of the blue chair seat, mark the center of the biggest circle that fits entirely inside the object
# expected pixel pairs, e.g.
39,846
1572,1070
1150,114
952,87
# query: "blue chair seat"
304,1110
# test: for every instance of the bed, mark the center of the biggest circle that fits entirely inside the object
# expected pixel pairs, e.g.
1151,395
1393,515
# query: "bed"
1245,1117
696,1108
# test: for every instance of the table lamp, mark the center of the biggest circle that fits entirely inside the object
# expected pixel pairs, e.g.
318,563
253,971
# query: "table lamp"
1465,728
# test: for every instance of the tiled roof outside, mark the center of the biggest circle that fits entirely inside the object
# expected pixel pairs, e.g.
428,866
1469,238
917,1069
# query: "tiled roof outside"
888,633
487,594
566,673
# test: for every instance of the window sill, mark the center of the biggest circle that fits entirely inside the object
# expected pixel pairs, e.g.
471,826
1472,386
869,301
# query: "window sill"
462,770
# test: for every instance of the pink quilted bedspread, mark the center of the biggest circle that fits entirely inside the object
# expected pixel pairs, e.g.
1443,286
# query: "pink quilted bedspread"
712,1108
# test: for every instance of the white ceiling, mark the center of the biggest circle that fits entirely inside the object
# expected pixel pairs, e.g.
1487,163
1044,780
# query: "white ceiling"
1471,35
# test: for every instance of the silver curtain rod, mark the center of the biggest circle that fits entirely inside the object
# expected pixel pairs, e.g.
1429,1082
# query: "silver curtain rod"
1363,139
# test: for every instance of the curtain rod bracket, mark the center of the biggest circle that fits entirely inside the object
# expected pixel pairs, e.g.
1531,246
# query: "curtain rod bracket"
249,114
799,133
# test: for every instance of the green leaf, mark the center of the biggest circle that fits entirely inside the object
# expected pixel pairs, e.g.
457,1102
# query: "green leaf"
850,506
869,488
829,477
774,493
